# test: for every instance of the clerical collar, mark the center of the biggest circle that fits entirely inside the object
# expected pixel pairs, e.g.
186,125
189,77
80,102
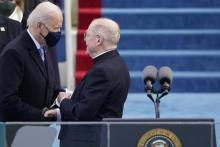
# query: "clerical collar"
103,53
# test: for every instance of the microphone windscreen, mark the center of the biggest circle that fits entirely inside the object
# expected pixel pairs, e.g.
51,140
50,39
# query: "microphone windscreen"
149,73
165,73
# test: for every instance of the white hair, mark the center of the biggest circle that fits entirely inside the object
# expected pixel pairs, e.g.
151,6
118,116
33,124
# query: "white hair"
108,28
43,13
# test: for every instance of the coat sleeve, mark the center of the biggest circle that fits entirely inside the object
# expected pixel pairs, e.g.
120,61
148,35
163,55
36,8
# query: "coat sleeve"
92,96
11,75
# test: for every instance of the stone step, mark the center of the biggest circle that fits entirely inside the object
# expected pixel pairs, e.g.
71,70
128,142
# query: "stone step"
165,18
160,3
170,39
181,61
183,84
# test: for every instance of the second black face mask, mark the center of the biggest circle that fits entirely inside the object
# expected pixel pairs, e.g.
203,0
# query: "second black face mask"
52,38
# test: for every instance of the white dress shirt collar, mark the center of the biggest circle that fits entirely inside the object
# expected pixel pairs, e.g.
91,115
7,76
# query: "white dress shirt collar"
35,41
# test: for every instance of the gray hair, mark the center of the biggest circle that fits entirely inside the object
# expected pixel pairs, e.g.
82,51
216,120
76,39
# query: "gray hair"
43,13
107,28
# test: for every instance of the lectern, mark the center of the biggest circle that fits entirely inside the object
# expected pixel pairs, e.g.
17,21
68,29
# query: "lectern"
159,133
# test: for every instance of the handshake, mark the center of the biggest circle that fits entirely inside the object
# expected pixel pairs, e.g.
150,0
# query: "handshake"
52,111
60,97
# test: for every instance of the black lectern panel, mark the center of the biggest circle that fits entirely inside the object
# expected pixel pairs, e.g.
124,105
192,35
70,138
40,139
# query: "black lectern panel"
161,133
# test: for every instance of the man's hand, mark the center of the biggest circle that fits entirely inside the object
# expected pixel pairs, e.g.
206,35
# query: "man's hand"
63,95
50,113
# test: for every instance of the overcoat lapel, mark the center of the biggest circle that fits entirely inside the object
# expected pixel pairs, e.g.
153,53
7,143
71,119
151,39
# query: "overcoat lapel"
29,43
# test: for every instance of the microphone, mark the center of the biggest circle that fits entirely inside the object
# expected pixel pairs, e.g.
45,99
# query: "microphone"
149,77
165,76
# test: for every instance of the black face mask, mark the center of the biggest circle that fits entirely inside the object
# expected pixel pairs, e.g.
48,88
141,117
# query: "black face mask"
52,38
6,8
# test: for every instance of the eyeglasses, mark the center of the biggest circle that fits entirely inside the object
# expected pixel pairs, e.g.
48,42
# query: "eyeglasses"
86,35
57,29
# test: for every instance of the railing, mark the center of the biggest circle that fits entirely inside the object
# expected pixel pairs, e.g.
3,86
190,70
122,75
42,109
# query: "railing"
112,133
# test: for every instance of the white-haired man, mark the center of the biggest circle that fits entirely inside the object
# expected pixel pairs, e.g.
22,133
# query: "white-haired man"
101,93
27,82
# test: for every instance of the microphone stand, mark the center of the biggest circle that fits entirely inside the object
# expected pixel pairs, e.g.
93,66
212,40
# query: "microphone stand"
163,93
157,100
157,106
